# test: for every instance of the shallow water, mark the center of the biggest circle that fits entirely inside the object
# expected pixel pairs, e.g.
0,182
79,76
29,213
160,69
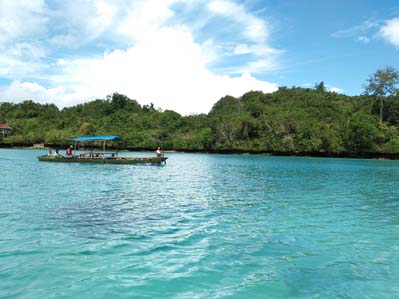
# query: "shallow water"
203,226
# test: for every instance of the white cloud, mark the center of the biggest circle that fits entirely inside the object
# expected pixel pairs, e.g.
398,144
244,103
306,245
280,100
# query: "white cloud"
15,67
105,13
363,39
258,49
241,49
357,30
167,69
363,33
163,62
28,51
145,17
335,89
368,30
20,91
254,28
77,23
251,34
22,26
21,19
390,31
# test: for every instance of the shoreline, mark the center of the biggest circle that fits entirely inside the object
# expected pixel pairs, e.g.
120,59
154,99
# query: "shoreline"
349,155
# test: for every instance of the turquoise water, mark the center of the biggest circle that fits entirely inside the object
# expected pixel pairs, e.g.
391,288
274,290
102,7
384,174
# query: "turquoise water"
203,226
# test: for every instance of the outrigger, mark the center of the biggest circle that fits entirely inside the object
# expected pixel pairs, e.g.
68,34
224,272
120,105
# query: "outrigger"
100,157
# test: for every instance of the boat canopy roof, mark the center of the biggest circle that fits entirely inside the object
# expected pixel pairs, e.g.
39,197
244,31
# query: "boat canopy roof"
96,138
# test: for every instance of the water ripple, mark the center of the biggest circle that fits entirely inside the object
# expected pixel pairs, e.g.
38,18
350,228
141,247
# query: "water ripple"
204,226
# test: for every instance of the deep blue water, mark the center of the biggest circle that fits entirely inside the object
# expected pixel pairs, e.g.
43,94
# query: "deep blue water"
203,226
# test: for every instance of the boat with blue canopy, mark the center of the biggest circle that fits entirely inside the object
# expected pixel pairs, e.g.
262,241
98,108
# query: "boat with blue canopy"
99,157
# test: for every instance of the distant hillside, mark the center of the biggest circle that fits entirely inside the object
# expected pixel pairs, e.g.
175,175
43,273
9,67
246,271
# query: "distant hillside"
288,121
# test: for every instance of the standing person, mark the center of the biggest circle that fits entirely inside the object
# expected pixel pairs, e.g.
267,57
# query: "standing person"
159,152
69,151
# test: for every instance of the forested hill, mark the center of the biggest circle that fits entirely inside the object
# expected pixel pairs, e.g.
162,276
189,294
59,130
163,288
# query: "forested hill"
290,120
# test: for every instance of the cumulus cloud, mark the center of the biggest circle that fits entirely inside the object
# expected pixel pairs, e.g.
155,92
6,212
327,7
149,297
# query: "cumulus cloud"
166,69
144,18
390,31
16,67
157,57
20,91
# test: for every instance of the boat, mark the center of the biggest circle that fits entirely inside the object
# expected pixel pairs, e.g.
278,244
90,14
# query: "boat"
99,157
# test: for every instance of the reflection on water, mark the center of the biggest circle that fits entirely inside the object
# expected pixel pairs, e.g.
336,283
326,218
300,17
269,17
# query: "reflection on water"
203,226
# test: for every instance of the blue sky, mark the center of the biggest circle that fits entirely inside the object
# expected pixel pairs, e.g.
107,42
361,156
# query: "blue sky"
185,55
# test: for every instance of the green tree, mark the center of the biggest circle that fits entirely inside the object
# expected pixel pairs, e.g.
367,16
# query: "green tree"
362,132
288,120
320,87
87,129
383,83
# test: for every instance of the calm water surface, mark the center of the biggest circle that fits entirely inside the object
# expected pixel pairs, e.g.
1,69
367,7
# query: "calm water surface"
203,226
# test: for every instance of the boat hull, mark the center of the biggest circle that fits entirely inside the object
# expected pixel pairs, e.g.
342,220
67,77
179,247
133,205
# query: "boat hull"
115,160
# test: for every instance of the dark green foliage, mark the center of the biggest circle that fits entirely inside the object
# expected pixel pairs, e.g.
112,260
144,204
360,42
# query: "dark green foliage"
383,83
320,87
288,120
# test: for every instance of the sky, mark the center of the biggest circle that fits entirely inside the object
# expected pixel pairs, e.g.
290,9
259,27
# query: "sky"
186,55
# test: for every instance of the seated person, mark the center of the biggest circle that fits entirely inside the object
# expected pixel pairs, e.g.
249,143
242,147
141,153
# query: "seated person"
159,152
69,151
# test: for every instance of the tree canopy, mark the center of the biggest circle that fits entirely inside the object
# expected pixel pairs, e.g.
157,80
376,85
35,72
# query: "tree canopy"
290,120
383,83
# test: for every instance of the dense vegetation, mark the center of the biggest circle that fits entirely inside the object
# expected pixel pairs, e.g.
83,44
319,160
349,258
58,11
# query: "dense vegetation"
290,120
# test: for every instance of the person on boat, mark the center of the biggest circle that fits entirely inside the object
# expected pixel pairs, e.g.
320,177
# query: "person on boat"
69,151
56,153
159,152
